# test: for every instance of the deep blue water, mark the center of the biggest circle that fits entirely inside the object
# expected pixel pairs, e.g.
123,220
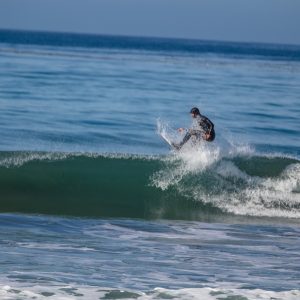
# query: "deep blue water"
95,205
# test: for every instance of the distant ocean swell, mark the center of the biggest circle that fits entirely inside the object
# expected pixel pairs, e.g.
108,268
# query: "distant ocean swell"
183,186
286,52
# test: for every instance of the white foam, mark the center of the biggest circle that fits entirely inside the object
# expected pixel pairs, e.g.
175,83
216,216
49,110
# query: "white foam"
219,293
193,158
52,246
233,190
272,197
71,292
18,159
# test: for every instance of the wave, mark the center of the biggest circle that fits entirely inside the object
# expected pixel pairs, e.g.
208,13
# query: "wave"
189,185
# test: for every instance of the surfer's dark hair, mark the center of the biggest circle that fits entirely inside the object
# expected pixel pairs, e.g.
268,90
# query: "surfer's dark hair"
195,111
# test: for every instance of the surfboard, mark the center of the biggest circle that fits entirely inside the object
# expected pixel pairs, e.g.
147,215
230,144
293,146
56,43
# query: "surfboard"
167,140
166,133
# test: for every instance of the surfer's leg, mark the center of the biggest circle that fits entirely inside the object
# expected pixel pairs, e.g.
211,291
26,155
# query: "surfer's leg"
185,139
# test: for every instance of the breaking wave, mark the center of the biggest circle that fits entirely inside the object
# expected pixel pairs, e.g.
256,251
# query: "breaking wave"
191,184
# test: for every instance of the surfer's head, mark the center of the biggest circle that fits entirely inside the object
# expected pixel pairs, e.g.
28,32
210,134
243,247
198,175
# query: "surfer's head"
195,112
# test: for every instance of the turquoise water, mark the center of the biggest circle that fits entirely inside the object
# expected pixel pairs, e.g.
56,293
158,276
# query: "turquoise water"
95,205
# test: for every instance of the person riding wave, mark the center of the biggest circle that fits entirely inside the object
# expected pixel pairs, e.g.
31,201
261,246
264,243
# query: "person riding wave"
203,128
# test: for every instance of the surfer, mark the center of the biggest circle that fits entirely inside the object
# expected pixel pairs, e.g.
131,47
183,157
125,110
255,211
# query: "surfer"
203,128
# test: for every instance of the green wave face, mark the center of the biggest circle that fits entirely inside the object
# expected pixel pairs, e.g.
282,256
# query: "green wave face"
148,187
87,186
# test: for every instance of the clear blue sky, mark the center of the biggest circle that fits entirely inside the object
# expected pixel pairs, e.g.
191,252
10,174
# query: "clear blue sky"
271,21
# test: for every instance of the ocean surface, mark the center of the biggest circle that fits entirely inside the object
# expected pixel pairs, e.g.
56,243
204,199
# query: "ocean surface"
95,205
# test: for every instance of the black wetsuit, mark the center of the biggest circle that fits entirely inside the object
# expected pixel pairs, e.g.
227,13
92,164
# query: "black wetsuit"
202,126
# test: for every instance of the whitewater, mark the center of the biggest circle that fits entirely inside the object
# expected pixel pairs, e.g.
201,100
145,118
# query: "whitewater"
95,205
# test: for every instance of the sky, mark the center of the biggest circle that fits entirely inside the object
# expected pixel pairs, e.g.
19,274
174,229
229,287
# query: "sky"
267,21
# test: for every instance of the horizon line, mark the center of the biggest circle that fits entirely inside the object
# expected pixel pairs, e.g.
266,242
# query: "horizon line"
149,37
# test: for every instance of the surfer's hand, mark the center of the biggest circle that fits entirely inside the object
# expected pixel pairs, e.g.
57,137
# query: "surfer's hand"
180,129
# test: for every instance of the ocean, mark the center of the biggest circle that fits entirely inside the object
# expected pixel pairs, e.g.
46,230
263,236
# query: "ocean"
95,205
